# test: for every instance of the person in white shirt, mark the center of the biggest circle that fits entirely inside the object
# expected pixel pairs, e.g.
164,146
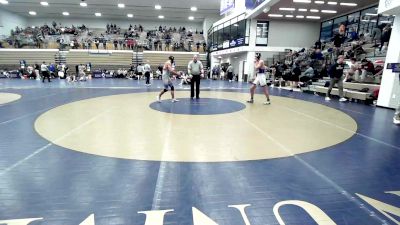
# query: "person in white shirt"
45,72
147,70
139,70
196,72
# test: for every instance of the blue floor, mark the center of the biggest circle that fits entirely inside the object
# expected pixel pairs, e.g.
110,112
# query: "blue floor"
41,180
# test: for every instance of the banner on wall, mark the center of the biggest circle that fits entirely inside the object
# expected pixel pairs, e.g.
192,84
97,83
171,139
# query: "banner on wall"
227,6
252,4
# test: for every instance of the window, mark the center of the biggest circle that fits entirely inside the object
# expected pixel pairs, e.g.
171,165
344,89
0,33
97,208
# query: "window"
353,21
326,31
262,33
368,21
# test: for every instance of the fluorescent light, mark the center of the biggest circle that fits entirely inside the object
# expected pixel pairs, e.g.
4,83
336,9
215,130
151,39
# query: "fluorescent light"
130,15
193,8
65,13
44,3
314,10
300,17
348,4
302,1
332,3
33,13
275,15
157,7
313,17
303,10
235,25
328,11
160,17
97,14
386,21
287,9
4,2
83,4
191,17
319,2
371,14
33,27
289,16
121,5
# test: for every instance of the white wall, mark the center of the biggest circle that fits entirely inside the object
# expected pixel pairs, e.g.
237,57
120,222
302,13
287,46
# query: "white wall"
9,21
208,22
124,24
292,33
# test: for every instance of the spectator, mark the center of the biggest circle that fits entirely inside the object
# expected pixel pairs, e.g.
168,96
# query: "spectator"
354,71
387,31
376,35
308,74
336,75
45,72
367,69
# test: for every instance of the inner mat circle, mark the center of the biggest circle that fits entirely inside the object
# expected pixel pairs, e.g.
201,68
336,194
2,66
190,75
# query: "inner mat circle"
8,97
124,126
203,106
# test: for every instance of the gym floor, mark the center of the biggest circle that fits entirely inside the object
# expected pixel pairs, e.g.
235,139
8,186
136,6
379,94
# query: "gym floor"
105,150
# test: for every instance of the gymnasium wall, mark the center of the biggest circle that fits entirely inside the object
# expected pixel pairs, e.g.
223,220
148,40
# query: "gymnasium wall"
9,21
293,33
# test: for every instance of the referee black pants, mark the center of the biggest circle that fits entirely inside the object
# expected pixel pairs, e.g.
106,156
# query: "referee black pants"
195,80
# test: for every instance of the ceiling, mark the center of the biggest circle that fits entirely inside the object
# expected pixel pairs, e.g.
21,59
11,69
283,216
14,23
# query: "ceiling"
339,8
175,10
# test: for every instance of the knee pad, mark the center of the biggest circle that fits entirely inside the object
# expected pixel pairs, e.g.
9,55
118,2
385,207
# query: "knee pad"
172,88
165,90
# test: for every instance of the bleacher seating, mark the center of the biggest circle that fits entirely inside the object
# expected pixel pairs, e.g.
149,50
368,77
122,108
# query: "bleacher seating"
100,59
10,58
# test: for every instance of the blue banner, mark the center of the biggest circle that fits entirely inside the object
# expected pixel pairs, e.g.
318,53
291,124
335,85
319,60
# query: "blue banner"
252,4
226,6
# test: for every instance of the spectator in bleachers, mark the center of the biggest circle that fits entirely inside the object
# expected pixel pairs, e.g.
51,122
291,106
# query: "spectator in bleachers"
367,69
376,35
295,76
96,43
339,39
353,73
387,31
336,74
115,44
204,47
104,42
198,46
308,74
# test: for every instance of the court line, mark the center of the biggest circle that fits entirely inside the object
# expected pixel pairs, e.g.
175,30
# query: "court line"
317,172
26,115
156,204
54,142
342,128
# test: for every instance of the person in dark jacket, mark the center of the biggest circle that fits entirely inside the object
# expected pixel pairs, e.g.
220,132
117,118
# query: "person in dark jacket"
336,74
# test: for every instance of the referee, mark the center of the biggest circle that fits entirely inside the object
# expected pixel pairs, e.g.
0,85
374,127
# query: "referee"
196,72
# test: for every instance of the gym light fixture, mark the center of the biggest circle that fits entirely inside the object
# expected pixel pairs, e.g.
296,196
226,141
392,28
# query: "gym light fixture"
275,15
332,3
33,13
65,13
348,4
303,10
4,2
193,8
44,3
289,16
121,5
302,1
158,7
130,15
300,17
191,17
314,17
97,14
287,9
83,3
314,10
319,2
328,11
161,17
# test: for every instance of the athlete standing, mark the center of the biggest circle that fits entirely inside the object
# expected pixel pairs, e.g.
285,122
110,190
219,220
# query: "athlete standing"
168,71
261,79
